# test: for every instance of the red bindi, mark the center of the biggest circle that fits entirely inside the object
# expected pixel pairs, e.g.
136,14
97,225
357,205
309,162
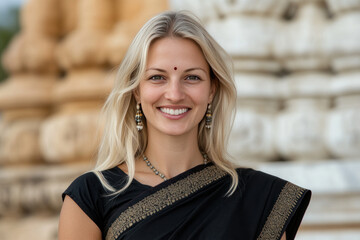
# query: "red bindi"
175,68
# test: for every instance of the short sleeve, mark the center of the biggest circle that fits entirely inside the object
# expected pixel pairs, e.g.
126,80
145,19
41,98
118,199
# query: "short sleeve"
285,207
277,205
86,192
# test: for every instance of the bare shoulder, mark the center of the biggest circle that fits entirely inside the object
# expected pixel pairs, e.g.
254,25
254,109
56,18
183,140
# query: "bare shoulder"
73,221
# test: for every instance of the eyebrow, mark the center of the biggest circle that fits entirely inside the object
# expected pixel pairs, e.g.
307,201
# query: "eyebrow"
156,69
187,70
192,69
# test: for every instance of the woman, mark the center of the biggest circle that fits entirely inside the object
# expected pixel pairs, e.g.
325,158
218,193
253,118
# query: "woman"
167,174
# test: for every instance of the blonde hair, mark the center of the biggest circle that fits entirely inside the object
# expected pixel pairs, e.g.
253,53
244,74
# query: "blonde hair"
122,143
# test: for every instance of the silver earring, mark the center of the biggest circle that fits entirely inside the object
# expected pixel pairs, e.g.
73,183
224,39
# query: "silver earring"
138,118
208,117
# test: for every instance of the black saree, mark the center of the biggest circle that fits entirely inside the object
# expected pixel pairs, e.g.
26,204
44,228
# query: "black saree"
193,205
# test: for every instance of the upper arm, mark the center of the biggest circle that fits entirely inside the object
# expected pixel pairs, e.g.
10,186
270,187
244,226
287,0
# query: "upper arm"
75,224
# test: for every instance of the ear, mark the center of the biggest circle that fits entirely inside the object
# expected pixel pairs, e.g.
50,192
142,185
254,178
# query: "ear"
213,88
136,93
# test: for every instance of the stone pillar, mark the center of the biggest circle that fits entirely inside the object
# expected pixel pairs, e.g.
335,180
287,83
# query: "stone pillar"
301,50
25,98
80,94
130,17
25,101
257,105
301,126
343,129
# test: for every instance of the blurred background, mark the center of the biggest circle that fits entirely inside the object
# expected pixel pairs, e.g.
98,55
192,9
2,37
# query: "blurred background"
297,70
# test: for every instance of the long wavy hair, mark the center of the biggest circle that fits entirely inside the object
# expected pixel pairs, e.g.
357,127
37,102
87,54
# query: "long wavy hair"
122,143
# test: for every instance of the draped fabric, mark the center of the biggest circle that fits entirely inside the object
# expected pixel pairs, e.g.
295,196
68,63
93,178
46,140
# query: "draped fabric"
193,205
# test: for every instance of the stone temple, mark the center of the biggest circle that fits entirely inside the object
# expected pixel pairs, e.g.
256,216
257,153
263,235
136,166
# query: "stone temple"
297,70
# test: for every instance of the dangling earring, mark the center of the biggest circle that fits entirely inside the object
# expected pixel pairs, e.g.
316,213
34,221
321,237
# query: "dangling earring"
138,118
208,117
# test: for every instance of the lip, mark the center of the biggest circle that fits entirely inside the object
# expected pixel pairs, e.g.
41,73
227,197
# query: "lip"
174,117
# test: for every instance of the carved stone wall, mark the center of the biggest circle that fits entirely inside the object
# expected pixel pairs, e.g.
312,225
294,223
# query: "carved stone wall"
60,73
297,70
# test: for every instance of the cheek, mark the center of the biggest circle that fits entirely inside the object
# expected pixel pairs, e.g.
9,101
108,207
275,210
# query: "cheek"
149,95
200,95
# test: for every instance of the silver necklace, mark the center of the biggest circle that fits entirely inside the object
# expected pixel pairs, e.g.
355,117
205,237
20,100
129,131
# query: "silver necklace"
157,172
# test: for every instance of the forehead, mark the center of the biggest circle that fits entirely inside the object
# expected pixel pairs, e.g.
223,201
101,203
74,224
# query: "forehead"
175,52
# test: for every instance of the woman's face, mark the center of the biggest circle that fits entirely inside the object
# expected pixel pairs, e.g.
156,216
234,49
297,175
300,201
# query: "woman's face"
176,87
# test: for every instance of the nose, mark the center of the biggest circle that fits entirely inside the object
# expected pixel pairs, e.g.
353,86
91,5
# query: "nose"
174,91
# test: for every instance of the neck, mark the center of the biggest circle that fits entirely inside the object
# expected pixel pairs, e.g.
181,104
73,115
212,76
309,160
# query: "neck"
172,155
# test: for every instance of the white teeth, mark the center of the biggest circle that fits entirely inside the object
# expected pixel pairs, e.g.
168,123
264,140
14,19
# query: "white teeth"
174,112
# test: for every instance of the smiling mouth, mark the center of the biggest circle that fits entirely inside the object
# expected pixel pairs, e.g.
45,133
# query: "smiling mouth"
174,112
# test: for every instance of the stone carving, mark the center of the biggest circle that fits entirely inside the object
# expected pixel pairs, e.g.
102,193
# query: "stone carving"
80,94
74,130
85,45
26,97
344,41
253,130
130,15
343,128
300,44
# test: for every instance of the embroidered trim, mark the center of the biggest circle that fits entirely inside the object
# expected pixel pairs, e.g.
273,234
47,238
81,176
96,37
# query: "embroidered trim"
284,206
163,198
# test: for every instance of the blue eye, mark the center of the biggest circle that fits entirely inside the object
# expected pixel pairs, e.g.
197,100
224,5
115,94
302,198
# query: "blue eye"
192,77
156,77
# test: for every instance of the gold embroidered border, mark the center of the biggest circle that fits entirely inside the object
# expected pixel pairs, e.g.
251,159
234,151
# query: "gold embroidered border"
162,199
284,206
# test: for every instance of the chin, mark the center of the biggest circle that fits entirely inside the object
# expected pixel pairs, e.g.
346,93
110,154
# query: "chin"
176,130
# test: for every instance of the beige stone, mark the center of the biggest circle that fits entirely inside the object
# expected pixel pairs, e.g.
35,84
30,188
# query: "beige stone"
340,7
206,9
19,142
346,83
38,227
131,15
27,91
251,138
258,65
36,189
305,84
301,44
343,128
76,136
249,7
85,45
118,42
251,36
31,52
344,42
300,129
84,85
138,11
96,15
69,15
252,135
256,86
11,115
82,48
42,17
